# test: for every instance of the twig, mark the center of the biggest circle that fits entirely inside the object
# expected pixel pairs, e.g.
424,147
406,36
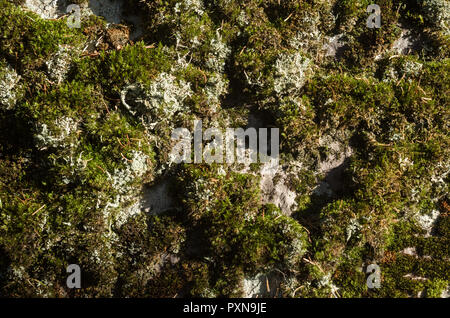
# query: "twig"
285,20
38,210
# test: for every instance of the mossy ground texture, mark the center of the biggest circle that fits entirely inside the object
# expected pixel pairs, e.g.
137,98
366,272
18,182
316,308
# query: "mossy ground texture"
86,117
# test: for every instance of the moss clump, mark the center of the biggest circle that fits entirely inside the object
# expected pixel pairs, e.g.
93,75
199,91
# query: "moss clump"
232,219
28,40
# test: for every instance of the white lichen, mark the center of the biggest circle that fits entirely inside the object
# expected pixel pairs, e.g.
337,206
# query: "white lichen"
255,286
46,9
167,95
58,65
326,282
404,162
216,87
353,228
9,80
437,12
309,36
160,101
219,52
427,220
126,201
291,71
60,134
407,70
135,167
242,19
190,5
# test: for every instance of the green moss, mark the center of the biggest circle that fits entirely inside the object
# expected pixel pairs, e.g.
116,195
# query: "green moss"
28,40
